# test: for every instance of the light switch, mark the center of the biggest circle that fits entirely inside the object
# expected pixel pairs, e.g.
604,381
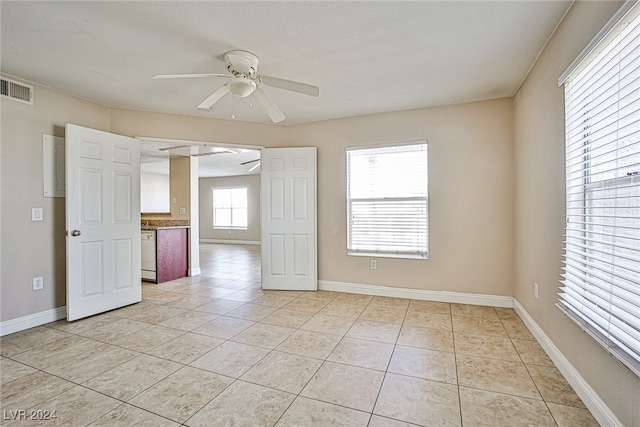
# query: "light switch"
37,214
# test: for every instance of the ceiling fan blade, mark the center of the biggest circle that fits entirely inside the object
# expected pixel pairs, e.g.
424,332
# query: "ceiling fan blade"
290,85
272,109
250,161
214,97
186,76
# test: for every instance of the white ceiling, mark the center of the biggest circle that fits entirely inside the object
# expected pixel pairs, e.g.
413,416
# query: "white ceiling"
365,56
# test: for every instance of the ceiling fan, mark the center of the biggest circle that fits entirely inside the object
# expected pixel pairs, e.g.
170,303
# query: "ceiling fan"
256,166
242,67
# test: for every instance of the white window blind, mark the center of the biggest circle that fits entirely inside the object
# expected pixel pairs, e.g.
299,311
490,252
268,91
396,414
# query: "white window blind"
387,201
601,273
230,208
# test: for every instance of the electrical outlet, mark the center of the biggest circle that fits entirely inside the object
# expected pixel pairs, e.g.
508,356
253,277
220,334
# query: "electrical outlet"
183,211
535,290
38,283
373,264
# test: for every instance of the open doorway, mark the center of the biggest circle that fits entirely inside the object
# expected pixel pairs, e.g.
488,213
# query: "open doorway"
184,175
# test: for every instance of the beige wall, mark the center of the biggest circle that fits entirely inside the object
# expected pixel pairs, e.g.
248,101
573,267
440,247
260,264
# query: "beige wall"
252,233
31,249
470,196
539,209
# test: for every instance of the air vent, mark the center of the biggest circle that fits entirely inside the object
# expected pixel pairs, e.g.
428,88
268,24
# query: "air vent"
16,91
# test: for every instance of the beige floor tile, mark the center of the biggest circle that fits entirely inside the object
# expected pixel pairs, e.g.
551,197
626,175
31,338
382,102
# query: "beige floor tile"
253,312
126,415
244,295
553,387
478,326
263,335
231,359
148,338
283,371
159,297
87,323
57,351
189,320
190,301
77,406
342,309
432,339
186,348
531,352
310,344
496,375
92,363
381,314
326,296
31,390
418,401
430,306
570,416
387,302
353,299
426,364
176,398
378,421
287,318
273,300
112,332
127,311
309,412
366,354
243,404
217,292
345,385
20,342
133,377
474,311
517,330
427,319
493,346
158,314
306,305
374,331
328,324
488,409
224,327
11,370
507,313
219,306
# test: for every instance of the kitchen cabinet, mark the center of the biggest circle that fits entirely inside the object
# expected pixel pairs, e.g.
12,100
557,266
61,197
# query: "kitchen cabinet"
171,255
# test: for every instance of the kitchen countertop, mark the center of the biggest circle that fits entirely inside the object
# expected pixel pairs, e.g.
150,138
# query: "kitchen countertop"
160,227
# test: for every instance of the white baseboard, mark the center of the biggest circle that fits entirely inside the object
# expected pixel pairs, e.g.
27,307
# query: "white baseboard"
32,320
232,242
421,294
590,398
194,272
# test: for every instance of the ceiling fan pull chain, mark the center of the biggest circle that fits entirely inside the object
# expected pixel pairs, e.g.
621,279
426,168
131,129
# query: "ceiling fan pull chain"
233,116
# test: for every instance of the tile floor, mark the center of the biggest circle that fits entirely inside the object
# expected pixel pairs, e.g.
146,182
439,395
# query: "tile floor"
216,350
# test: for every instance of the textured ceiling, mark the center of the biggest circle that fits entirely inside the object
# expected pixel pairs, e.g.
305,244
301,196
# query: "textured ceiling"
366,57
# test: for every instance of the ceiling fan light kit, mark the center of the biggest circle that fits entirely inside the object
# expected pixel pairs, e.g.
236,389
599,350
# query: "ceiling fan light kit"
243,81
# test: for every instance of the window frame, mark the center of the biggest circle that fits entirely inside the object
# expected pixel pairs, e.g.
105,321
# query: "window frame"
601,281
230,208
388,252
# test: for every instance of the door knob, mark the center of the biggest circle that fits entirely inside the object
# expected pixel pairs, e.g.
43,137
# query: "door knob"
76,233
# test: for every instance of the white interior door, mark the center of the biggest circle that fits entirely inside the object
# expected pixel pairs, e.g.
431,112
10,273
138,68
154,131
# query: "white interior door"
102,220
288,216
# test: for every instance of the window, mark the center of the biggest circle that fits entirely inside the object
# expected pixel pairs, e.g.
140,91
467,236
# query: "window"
230,208
387,201
601,274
